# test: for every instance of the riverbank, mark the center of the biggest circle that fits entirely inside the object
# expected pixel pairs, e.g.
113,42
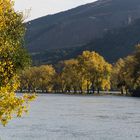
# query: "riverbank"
102,93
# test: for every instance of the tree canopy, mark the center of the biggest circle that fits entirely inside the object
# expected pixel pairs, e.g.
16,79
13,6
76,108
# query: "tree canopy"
87,72
126,72
13,58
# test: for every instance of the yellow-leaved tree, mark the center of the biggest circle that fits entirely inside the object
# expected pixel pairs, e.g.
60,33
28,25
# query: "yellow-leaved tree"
37,78
97,70
87,72
13,57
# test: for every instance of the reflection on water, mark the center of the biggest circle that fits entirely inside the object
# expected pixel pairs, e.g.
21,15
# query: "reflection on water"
64,117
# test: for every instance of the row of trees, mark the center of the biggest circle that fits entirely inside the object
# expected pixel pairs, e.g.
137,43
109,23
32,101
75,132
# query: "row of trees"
87,72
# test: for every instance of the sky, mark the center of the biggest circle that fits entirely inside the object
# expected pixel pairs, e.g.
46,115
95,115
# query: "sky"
39,8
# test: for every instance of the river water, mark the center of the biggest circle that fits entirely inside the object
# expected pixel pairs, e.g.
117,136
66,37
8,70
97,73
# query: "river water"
65,117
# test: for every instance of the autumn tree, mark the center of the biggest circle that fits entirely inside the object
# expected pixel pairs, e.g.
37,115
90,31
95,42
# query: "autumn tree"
126,72
29,79
122,77
58,83
12,31
40,77
86,71
136,72
45,77
96,70
73,76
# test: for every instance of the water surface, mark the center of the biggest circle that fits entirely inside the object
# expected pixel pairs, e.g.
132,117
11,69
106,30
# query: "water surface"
65,117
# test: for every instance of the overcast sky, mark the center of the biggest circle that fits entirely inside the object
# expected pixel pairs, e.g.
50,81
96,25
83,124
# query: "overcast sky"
44,7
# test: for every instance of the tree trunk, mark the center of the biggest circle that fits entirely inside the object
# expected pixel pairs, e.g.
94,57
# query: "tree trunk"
98,91
87,87
21,90
81,90
122,91
75,90
126,89
92,87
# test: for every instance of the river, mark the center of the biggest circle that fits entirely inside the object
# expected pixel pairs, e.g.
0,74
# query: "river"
67,117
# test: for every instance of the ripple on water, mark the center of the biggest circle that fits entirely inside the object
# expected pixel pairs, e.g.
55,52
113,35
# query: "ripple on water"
60,117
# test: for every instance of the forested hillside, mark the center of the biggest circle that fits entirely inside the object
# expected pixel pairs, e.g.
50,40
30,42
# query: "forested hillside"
109,27
113,45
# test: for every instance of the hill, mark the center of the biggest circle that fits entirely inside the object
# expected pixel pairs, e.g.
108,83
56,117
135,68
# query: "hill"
75,28
115,44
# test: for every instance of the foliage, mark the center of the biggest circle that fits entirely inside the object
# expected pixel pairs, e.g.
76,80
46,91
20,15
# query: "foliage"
97,70
89,70
73,76
11,40
126,72
37,78
136,71
122,74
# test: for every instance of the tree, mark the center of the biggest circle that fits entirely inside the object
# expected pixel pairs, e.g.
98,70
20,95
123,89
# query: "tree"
45,77
29,79
123,74
96,70
73,76
86,71
12,31
37,78
126,72
136,71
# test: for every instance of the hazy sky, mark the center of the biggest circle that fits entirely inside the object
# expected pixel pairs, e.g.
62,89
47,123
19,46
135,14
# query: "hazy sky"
44,7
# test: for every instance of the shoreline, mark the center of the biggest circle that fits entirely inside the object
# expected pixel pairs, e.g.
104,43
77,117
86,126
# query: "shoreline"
76,94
